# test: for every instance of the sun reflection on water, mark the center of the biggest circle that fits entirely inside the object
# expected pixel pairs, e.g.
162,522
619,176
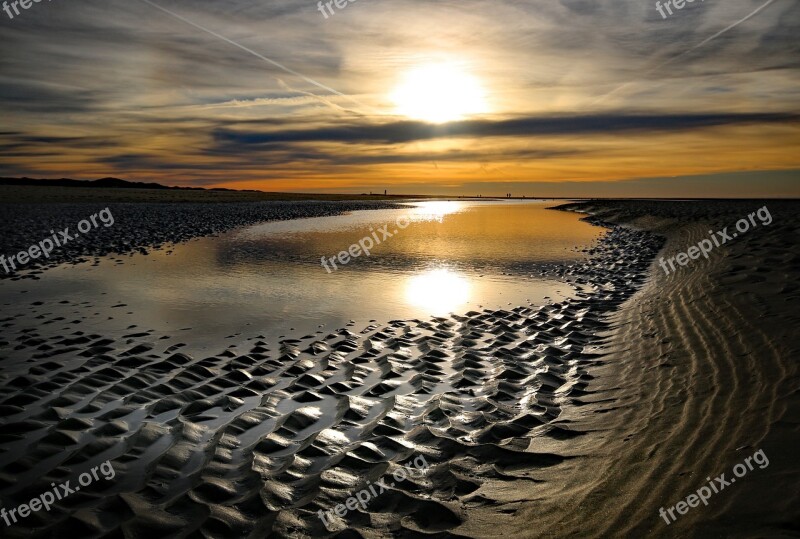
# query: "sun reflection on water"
433,210
439,291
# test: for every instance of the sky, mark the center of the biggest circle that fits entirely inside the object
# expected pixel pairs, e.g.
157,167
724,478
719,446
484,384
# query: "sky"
536,97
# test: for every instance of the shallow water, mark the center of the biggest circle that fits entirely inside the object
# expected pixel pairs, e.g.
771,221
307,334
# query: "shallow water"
269,279
256,437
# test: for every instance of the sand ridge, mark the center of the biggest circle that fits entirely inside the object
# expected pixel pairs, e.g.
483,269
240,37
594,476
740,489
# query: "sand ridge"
700,370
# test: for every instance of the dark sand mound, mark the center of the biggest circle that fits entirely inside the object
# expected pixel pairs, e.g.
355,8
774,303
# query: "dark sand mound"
700,371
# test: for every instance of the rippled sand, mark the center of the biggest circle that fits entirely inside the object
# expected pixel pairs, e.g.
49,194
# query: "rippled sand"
261,437
579,418
700,371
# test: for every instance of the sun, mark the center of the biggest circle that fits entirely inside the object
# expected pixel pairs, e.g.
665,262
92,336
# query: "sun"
438,291
439,93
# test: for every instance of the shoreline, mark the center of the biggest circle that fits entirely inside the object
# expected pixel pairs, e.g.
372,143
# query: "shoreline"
694,378
469,393
579,418
139,227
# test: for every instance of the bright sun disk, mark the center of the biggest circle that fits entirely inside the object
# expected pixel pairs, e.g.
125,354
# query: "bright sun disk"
438,291
439,93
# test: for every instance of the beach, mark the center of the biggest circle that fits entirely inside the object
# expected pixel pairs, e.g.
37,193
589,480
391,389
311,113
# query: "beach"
428,270
699,372
582,416
155,220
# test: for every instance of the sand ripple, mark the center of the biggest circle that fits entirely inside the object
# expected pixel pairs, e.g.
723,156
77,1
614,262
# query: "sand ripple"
259,438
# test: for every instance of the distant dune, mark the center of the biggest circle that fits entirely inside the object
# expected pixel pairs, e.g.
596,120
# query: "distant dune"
107,190
102,182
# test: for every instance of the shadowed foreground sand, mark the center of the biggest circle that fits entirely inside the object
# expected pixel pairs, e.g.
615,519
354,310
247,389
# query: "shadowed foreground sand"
701,371
259,438
530,429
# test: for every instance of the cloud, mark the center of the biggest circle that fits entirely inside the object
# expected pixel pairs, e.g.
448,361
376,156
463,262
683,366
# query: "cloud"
410,131
92,88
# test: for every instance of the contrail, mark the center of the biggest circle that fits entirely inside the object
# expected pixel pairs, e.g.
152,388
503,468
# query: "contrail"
684,53
730,27
257,55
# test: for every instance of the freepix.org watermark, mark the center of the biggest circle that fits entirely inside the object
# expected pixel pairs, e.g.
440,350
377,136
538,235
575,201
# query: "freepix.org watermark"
24,4
363,497
714,487
46,246
719,237
367,243
678,4
46,499
340,4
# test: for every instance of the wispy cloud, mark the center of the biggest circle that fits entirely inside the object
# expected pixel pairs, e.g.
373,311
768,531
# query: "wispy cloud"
219,91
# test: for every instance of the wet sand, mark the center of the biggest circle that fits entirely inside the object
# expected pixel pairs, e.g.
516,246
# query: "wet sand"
699,371
263,435
140,226
578,418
